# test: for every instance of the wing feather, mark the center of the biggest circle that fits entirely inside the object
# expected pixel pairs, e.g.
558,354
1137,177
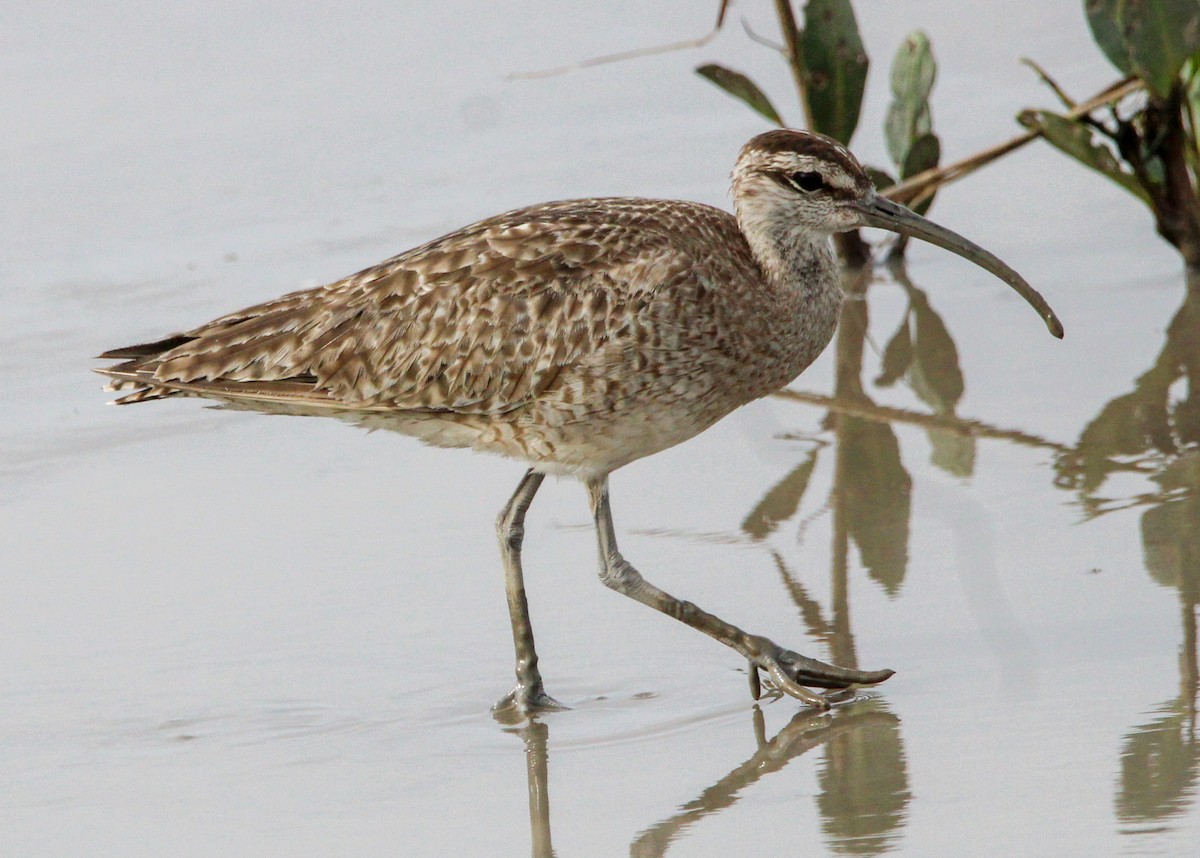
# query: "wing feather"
480,321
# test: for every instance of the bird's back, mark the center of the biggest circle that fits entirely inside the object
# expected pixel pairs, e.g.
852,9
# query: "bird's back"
470,321
563,301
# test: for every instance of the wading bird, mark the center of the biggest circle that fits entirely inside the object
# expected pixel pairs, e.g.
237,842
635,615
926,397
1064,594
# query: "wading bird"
576,337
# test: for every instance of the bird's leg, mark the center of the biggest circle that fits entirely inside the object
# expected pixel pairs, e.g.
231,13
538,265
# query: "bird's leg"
529,695
790,671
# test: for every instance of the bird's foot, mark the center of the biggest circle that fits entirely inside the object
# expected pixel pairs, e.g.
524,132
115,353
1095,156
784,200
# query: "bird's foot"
525,700
790,672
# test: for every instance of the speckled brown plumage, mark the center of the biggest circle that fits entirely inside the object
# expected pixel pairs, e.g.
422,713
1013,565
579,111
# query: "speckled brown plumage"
576,336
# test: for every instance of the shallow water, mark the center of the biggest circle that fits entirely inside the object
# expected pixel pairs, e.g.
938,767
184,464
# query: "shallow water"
252,635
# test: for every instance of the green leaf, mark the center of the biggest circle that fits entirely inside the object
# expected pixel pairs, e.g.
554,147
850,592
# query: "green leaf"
741,88
914,68
880,178
834,67
1160,36
908,118
899,127
1102,18
1191,77
1149,38
923,154
1083,144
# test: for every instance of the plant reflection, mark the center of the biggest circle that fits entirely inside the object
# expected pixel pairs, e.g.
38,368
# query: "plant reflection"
923,352
1159,765
872,492
863,779
864,786
871,499
1152,431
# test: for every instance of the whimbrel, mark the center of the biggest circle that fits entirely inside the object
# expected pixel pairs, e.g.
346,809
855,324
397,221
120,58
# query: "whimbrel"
577,337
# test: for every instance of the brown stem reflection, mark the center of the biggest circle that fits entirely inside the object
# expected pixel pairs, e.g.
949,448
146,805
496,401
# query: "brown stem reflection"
863,778
864,781
871,499
872,491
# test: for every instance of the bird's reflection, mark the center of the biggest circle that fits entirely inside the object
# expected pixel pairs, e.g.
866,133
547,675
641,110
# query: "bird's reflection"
863,779
535,734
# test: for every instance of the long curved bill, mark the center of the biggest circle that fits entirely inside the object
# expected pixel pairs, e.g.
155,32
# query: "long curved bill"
885,214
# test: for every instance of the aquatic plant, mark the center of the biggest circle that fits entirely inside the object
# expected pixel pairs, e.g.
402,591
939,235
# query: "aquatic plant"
1146,142
828,65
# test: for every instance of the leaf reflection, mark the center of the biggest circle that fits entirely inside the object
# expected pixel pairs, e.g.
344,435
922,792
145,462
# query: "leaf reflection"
873,494
1160,762
1152,431
863,776
933,373
1155,430
855,733
1149,428
781,501
864,789
872,490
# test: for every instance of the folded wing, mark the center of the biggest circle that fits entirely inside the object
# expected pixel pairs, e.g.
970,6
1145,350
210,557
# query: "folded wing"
479,321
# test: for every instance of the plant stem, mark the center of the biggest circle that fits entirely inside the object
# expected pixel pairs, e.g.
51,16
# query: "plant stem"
791,40
919,187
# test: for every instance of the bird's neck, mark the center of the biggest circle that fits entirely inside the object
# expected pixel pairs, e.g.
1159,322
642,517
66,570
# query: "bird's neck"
803,299
796,262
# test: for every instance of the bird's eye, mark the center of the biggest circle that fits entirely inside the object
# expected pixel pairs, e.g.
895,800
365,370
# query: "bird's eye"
807,182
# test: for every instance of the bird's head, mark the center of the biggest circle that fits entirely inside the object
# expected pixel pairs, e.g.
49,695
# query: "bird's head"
790,186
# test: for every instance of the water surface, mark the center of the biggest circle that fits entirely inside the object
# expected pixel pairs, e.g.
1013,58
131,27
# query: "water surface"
262,635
